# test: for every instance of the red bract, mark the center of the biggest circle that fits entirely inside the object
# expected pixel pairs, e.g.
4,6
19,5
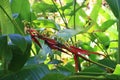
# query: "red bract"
53,44
76,50
76,62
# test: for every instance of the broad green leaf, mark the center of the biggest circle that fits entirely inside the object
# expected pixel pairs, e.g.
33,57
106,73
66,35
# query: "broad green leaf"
5,51
84,77
46,23
79,17
62,70
67,6
117,69
67,33
115,7
112,77
22,8
106,25
18,60
31,72
82,13
108,62
93,68
103,39
6,24
105,13
54,76
19,41
55,61
43,7
95,10
19,56
33,60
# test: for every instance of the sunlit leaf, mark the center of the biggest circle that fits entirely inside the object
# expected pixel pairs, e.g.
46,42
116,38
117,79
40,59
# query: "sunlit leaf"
95,10
46,23
117,69
106,25
22,9
6,17
43,7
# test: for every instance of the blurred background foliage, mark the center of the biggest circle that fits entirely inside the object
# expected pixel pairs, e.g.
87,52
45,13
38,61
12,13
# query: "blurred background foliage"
88,24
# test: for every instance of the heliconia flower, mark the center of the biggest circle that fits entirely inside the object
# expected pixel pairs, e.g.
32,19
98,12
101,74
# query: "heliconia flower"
76,50
53,44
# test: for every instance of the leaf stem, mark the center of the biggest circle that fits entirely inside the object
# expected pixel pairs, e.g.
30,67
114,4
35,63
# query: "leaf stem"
77,77
74,6
118,55
62,16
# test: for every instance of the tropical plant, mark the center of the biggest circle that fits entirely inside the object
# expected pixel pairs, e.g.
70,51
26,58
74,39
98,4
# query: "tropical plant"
35,36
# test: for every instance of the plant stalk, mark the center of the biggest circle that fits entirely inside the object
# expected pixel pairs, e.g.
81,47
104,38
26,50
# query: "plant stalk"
62,16
118,55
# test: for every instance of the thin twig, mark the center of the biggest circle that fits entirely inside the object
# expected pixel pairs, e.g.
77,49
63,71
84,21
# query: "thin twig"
61,15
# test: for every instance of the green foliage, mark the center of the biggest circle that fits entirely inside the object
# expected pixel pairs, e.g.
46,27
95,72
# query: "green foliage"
54,76
115,7
117,70
46,23
95,10
87,25
34,72
43,7
12,53
6,17
21,12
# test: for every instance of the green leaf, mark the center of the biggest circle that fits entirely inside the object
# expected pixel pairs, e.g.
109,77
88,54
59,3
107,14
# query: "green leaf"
62,70
46,23
112,77
43,7
117,69
115,7
22,8
107,24
31,72
67,33
67,6
108,62
5,51
95,10
103,39
18,55
6,17
23,11
19,41
54,76
93,68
